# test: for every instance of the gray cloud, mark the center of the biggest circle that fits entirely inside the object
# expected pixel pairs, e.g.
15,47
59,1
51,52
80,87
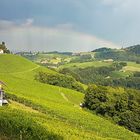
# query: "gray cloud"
60,38
114,20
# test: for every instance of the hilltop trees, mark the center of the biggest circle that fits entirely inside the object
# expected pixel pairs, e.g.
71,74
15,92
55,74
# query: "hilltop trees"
104,49
134,49
4,48
127,54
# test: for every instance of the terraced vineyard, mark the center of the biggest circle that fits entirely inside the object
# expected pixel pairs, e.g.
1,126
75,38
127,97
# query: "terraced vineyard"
53,110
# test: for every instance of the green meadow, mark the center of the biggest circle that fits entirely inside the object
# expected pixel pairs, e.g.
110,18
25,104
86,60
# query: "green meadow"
85,64
132,67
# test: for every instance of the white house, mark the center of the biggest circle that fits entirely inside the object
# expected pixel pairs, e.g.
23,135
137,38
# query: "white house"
1,51
108,60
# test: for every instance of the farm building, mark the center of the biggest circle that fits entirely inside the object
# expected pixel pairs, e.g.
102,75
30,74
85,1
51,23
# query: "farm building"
108,60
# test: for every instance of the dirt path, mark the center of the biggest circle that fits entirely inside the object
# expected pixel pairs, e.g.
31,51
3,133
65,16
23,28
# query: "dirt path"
29,70
63,95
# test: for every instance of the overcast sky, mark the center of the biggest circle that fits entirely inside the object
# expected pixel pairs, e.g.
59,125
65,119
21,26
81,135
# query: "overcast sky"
69,25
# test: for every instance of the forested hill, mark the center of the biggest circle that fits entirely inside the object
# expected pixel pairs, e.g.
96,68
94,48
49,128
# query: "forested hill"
104,49
124,54
133,49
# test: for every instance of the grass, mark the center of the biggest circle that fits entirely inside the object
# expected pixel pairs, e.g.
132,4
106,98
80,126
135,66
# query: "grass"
11,64
19,122
46,105
120,74
85,64
126,71
133,64
132,67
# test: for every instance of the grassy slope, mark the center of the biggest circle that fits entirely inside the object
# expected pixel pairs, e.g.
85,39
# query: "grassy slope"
63,115
85,64
9,64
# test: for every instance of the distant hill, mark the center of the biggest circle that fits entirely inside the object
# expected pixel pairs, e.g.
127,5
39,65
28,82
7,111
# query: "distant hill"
104,49
133,49
127,54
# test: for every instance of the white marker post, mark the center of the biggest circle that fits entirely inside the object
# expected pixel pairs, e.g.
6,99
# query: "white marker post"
1,98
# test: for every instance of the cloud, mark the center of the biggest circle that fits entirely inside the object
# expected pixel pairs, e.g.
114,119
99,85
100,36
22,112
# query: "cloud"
114,2
123,6
115,20
28,22
4,24
59,38
66,26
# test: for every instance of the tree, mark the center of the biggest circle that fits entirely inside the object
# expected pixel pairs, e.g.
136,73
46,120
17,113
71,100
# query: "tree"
122,106
4,48
95,99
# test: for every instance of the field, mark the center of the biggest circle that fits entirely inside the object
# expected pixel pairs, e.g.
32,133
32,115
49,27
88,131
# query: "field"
85,64
54,108
132,67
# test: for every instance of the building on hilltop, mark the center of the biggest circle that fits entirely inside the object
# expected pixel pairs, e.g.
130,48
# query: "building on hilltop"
1,51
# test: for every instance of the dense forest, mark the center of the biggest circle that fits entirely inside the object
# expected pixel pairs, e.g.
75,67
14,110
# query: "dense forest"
127,54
